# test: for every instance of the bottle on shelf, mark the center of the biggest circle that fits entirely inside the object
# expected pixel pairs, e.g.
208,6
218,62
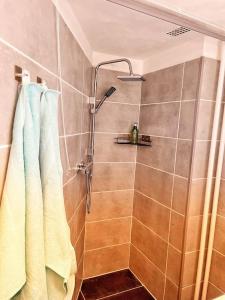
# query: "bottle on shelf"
134,134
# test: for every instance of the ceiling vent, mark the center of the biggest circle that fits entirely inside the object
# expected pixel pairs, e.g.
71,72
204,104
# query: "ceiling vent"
178,31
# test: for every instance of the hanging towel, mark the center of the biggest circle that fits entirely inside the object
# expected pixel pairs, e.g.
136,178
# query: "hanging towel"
22,257
59,253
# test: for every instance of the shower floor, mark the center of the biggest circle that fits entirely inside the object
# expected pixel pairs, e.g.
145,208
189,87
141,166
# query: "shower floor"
121,285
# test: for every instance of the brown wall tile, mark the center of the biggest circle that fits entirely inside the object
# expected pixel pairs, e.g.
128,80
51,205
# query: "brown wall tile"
72,109
213,292
161,155
187,115
42,29
74,150
173,265
163,85
147,273
79,247
106,260
190,268
116,117
150,244
107,233
217,277
72,58
160,119
106,150
191,79
210,78
219,241
161,184
171,292
113,176
113,204
183,160
149,212
126,92
180,190
176,230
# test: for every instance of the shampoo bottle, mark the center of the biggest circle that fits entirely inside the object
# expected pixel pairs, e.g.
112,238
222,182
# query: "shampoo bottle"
134,134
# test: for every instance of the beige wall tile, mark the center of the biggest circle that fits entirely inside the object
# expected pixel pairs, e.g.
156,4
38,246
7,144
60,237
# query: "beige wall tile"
116,117
176,230
191,79
106,260
113,176
149,212
161,184
113,204
87,75
106,150
180,192
150,244
200,159
108,232
41,30
126,92
161,155
147,273
197,195
163,85
160,119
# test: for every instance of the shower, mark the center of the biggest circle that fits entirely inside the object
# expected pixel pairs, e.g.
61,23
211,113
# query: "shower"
95,106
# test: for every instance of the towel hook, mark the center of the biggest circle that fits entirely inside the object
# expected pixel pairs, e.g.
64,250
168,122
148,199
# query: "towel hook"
22,75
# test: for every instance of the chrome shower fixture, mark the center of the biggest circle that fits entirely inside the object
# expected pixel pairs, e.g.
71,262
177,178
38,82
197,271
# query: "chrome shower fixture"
107,95
131,77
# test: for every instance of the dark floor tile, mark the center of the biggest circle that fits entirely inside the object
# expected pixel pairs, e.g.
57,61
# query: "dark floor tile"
80,297
135,294
107,285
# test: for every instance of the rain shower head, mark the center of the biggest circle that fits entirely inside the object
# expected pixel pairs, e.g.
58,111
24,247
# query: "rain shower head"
131,77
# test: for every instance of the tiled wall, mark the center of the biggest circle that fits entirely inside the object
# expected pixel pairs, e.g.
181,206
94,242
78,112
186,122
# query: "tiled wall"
161,182
31,30
202,136
108,227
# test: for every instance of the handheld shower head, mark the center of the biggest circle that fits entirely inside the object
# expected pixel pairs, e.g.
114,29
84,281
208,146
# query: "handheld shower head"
109,93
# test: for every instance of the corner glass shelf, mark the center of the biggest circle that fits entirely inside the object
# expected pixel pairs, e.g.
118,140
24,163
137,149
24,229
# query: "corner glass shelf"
143,140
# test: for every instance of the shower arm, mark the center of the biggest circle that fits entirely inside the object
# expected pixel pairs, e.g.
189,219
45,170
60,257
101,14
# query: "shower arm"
109,62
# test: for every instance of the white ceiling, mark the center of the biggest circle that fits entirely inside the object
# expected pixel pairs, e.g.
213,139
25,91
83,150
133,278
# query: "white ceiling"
212,11
119,31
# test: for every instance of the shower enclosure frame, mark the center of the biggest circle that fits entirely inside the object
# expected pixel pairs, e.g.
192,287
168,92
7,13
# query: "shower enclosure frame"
176,17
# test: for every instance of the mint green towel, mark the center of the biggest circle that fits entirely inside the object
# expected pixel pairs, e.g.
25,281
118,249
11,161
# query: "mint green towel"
37,261
22,257
59,253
